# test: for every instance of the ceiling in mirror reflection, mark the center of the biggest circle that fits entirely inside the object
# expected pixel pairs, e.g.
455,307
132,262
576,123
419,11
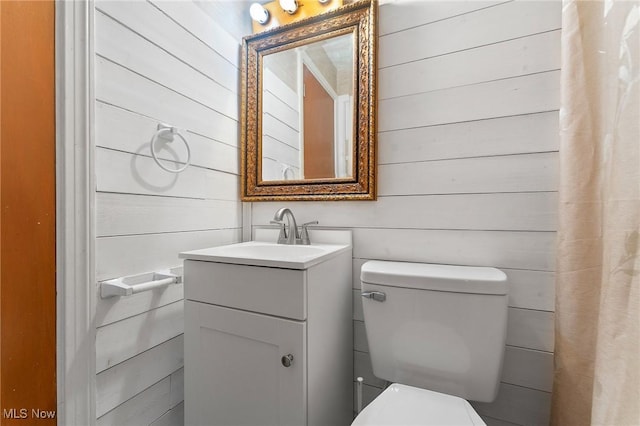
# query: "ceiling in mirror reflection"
307,103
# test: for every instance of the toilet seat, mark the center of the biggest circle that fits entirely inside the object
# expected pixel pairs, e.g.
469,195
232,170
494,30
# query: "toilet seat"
403,405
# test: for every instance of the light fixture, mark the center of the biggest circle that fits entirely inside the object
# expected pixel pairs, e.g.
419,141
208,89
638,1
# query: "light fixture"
259,13
323,1
289,6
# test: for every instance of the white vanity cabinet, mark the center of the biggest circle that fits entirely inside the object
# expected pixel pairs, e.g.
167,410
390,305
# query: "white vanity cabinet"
268,345
233,372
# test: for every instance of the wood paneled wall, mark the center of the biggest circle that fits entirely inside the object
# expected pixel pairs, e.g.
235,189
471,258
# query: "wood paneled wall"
467,159
27,214
280,130
157,62
468,141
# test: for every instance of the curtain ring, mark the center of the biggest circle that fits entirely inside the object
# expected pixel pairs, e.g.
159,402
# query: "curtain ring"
162,129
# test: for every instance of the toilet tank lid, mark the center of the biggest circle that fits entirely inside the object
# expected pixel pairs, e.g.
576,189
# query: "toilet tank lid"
424,276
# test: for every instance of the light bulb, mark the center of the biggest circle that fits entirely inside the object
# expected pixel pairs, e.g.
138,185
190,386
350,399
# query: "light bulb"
289,6
259,13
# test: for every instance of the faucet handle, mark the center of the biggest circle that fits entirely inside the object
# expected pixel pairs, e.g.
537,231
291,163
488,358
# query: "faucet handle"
282,237
304,235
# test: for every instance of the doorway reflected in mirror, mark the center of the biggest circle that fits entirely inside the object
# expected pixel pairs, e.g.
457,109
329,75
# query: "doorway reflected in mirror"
307,115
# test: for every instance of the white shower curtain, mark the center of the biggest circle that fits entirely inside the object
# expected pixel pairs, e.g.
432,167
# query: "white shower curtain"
597,360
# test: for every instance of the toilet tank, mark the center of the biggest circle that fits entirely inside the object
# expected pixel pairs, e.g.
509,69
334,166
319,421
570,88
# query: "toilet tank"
439,327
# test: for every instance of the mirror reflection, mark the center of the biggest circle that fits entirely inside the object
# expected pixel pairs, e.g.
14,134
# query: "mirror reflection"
307,111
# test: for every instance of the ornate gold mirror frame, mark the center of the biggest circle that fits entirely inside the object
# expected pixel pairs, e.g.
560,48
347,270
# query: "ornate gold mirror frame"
357,18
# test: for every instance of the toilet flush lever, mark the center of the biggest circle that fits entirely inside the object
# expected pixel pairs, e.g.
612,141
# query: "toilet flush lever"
375,295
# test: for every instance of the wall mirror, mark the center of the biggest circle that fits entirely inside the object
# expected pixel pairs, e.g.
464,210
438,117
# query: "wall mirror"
308,118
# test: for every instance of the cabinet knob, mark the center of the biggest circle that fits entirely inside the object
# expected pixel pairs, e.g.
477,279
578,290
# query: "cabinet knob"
287,360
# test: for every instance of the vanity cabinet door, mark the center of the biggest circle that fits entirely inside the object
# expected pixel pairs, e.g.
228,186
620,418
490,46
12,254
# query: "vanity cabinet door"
236,374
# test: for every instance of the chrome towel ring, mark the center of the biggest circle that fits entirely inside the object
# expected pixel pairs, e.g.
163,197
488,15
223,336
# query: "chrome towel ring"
168,133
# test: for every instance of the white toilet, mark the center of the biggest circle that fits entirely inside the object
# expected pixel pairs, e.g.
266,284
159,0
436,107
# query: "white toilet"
438,332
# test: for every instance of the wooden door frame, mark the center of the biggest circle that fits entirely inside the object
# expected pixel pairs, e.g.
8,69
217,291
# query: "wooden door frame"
75,223
304,60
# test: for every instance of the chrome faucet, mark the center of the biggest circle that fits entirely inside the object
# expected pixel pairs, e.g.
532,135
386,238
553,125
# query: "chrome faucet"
291,235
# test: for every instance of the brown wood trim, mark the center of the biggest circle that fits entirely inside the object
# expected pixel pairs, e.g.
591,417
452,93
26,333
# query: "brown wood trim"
0,211
27,216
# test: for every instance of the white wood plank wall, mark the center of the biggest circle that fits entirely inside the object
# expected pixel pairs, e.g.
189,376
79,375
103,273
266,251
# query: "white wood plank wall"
157,62
280,130
468,141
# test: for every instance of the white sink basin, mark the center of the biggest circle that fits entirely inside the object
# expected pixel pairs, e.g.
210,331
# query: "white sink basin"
259,250
259,253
